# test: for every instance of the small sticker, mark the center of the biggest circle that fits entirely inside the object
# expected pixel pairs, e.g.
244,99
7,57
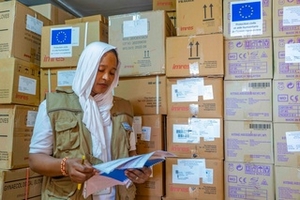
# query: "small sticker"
126,126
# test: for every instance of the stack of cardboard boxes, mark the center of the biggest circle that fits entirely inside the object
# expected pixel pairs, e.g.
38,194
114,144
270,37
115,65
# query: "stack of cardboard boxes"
195,70
286,102
19,97
248,129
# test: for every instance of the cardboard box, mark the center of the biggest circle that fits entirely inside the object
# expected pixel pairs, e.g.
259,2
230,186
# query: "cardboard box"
199,17
56,14
155,185
20,184
282,155
19,82
140,39
249,181
150,130
91,18
21,32
195,137
287,183
142,197
198,97
168,5
146,94
248,100
73,38
286,100
249,28
285,19
286,64
249,141
16,126
52,78
190,56
194,178
250,58
172,16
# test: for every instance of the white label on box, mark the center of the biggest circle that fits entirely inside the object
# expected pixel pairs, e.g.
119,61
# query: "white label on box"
135,28
208,92
65,78
137,124
197,165
146,136
209,177
207,128
184,175
291,16
27,85
194,68
33,24
31,116
62,40
293,141
183,133
184,92
292,53
246,18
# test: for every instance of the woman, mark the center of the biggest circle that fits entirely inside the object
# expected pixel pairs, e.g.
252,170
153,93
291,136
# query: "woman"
85,121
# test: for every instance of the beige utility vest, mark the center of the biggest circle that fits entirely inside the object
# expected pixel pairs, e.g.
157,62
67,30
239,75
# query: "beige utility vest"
72,139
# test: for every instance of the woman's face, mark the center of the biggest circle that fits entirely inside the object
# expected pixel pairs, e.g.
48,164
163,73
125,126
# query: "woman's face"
105,74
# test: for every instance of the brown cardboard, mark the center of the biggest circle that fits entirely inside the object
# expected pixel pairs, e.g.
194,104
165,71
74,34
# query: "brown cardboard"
16,126
195,137
281,154
209,102
53,12
52,78
150,130
249,181
282,68
82,34
200,55
91,18
147,94
19,82
140,39
20,184
168,5
248,100
249,141
287,181
267,20
286,100
21,27
280,30
250,58
154,186
172,16
210,187
199,17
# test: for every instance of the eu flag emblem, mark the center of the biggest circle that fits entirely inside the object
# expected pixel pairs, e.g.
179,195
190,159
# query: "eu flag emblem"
246,11
61,36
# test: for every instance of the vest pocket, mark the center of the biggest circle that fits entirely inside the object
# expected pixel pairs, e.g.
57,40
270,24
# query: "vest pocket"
67,134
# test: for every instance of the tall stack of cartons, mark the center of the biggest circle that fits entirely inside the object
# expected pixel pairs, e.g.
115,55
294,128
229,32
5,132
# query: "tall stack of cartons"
62,45
20,46
195,70
140,39
248,111
286,98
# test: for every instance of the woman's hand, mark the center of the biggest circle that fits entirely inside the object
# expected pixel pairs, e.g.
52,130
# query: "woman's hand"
79,172
139,175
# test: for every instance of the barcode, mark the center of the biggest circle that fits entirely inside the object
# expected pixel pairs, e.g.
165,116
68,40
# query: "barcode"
260,126
259,85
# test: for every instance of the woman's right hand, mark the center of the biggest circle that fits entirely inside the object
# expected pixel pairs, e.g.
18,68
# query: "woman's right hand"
79,172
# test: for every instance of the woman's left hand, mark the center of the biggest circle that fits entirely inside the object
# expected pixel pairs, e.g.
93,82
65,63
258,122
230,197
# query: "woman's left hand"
139,175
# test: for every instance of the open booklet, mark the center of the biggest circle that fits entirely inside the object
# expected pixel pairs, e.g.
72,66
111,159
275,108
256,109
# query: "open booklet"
112,172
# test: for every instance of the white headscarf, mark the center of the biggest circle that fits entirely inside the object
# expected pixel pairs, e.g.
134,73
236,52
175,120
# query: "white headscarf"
96,110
